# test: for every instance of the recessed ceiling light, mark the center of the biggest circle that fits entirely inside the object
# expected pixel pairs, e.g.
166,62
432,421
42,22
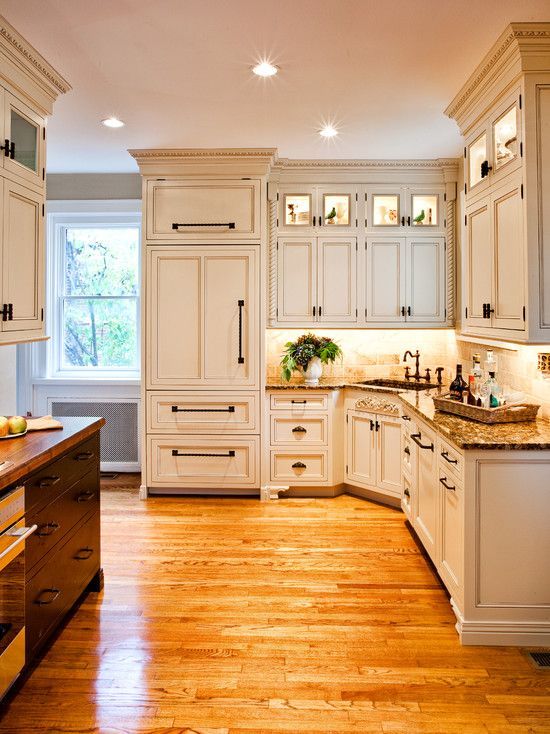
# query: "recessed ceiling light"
112,122
328,131
264,68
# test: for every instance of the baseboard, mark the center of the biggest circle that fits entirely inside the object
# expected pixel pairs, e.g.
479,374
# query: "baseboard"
333,491
203,491
496,632
373,496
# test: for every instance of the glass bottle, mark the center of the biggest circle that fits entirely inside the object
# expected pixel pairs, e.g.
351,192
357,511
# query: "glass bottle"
458,386
471,398
476,369
493,390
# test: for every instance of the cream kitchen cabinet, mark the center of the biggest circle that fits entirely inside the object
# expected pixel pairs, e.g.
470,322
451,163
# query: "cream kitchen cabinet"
328,208
317,280
202,317
401,209
218,210
495,256
426,502
405,280
23,149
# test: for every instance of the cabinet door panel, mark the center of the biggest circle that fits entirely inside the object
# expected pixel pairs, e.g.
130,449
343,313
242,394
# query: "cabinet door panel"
385,290
229,328
479,264
22,253
426,515
452,533
337,279
296,281
508,281
361,449
389,448
175,317
426,279
24,130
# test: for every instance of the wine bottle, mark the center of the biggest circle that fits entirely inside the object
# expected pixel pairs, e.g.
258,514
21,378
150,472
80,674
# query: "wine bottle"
458,386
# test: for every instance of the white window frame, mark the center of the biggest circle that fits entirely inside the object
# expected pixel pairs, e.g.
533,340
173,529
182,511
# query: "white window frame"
60,216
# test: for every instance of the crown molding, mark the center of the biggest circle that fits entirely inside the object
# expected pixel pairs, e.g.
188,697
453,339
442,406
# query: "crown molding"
201,153
22,53
204,161
517,45
287,164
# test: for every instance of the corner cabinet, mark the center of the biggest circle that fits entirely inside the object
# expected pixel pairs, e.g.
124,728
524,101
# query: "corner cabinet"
28,90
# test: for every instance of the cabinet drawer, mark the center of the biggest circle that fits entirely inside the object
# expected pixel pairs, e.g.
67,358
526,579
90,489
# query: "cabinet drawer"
451,460
299,467
299,402
311,429
59,518
198,210
196,461
55,588
45,485
202,412
408,449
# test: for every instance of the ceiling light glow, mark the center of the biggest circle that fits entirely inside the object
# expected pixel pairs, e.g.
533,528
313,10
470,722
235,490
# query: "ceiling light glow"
328,131
112,122
265,69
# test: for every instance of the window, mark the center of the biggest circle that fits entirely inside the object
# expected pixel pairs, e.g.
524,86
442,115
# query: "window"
93,310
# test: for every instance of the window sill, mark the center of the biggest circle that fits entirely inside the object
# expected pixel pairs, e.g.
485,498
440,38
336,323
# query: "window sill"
71,380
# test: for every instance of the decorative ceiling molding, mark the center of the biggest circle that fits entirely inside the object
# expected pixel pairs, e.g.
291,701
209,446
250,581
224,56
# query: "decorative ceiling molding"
179,153
21,48
364,163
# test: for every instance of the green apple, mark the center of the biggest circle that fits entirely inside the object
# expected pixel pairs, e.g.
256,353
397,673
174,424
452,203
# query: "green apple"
4,426
17,424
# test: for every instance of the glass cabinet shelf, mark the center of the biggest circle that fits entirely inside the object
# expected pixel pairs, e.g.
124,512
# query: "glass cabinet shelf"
385,210
297,210
336,209
505,138
425,210
477,156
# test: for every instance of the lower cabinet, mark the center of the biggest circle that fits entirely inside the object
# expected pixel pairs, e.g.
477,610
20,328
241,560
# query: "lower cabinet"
426,506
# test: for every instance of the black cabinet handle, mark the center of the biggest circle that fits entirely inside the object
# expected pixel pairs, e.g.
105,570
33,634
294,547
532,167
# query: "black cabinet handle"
6,147
299,402
313,311
407,451
54,594
409,311
229,225
485,168
229,409
44,531
229,454
406,493
6,312
405,417
298,465
372,425
487,310
84,554
402,310
443,481
85,496
408,221
402,221
240,304
319,311
10,311
299,429
84,456
416,436
445,455
48,482
314,220
377,426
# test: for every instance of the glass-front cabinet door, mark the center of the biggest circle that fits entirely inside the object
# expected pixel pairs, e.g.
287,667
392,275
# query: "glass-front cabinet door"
296,209
316,207
477,160
336,207
505,138
23,153
424,210
384,210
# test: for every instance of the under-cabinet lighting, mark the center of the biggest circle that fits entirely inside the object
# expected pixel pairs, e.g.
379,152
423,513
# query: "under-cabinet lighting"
112,122
265,68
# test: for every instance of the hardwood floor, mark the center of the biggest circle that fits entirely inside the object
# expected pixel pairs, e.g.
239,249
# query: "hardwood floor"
234,616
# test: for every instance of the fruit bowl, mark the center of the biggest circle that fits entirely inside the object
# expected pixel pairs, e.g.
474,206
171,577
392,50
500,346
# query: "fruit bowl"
13,435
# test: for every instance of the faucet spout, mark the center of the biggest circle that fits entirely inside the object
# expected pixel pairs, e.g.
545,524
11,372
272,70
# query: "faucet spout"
416,357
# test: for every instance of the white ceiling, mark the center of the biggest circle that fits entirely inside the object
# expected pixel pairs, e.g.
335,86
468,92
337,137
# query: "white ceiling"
178,73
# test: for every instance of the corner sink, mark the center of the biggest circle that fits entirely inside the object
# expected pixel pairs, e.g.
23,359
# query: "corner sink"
399,384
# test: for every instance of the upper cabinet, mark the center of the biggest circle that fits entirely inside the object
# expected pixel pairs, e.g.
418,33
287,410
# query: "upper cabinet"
23,141
503,111
400,209
327,209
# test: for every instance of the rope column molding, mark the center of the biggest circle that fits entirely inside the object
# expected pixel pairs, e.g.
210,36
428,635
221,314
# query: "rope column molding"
451,256
272,288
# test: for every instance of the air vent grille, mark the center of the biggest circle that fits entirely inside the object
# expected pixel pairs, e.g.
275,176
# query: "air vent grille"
540,659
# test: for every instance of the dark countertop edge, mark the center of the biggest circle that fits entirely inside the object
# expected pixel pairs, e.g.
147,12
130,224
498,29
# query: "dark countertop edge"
50,450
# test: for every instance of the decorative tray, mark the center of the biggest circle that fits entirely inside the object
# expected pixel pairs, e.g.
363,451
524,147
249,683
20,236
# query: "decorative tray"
505,414
13,435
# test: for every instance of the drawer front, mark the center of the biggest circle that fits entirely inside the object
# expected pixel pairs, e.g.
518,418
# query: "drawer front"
299,467
407,455
45,485
180,209
202,412
51,592
299,402
196,461
309,430
58,518
451,461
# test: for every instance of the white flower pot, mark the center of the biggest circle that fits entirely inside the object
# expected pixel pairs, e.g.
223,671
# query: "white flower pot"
314,371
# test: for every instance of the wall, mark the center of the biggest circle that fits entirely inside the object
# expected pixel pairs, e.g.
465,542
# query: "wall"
8,381
86,186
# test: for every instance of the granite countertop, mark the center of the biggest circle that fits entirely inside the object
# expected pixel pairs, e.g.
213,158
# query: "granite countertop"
463,433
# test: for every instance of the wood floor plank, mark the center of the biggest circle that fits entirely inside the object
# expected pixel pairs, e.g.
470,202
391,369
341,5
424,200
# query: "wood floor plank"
238,617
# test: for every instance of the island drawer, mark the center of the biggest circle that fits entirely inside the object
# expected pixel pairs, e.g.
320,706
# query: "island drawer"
451,460
305,430
299,467
59,518
202,412
45,485
298,402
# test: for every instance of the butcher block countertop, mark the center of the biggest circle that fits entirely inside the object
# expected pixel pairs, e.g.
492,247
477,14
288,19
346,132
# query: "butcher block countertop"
463,433
22,456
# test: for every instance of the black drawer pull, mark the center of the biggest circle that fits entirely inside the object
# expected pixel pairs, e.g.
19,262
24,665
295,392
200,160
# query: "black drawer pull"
298,402
84,456
48,482
240,304
407,451
84,554
299,465
44,531
229,409
443,481
416,436
445,455
54,594
177,225
299,429
229,454
85,496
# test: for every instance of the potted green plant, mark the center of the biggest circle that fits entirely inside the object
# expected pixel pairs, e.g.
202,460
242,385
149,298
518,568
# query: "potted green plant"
308,354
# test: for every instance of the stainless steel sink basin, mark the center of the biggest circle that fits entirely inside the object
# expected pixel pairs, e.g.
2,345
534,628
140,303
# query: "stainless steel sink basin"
399,384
